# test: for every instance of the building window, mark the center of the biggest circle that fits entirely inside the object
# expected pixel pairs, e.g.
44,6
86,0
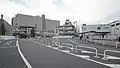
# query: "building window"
117,28
106,27
112,25
98,28
117,24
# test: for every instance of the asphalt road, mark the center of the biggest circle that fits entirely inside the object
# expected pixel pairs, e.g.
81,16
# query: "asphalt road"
10,57
42,57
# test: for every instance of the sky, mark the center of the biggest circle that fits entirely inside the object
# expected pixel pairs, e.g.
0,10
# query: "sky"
82,11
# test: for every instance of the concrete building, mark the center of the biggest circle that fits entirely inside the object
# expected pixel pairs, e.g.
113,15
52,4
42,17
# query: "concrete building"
115,28
96,28
66,29
5,27
110,30
41,24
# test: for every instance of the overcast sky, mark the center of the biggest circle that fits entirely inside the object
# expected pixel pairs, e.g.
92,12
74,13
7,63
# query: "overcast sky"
84,11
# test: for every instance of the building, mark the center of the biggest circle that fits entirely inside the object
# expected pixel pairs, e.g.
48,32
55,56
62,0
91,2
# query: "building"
115,27
42,25
5,27
107,31
98,31
66,29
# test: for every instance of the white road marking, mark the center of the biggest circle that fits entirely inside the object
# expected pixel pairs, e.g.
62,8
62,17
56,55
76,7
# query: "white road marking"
65,51
112,57
24,59
87,52
7,46
115,65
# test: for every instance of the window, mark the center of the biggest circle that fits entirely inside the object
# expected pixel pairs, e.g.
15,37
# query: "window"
117,28
117,24
112,25
106,27
98,28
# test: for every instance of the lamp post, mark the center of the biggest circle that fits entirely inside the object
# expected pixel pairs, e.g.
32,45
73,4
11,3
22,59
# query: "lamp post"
75,24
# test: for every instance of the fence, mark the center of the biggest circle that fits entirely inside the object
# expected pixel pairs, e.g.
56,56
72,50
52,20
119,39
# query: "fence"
96,52
105,58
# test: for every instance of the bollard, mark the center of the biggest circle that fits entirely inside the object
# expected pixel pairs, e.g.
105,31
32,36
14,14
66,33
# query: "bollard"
96,54
103,42
116,44
76,48
72,49
95,41
104,58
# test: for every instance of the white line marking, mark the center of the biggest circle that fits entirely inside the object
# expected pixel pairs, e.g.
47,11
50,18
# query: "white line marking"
7,46
112,57
24,59
87,52
110,65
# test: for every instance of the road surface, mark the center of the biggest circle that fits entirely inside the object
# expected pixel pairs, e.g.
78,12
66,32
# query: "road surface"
40,56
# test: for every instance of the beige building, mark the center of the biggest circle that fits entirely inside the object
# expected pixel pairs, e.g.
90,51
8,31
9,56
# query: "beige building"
41,24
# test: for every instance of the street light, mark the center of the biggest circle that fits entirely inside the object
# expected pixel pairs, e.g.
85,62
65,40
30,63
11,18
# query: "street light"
75,26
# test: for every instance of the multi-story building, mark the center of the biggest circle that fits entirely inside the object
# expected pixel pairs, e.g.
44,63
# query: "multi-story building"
115,27
41,24
97,31
110,30
66,29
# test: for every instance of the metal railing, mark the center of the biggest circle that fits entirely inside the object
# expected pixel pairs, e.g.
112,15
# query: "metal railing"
57,44
62,45
54,41
73,41
71,46
76,48
105,58
96,51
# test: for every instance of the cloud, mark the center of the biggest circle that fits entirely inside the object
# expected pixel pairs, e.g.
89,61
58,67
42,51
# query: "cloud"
25,3
85,11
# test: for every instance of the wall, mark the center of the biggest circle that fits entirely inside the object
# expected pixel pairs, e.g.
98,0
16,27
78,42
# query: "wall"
5,28
6,37
103,28
51,24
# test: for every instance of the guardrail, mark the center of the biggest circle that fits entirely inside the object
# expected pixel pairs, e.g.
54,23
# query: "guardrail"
96,51
105,58
57,44
73,41
53,41
67,46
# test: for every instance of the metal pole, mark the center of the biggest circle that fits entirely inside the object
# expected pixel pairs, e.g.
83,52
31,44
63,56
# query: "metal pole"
76,48
96,56
116,44
103,42
72,47
105,55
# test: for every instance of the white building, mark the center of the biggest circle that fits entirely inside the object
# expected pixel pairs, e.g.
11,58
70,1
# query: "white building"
96,28
66,29
115,28
108,31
